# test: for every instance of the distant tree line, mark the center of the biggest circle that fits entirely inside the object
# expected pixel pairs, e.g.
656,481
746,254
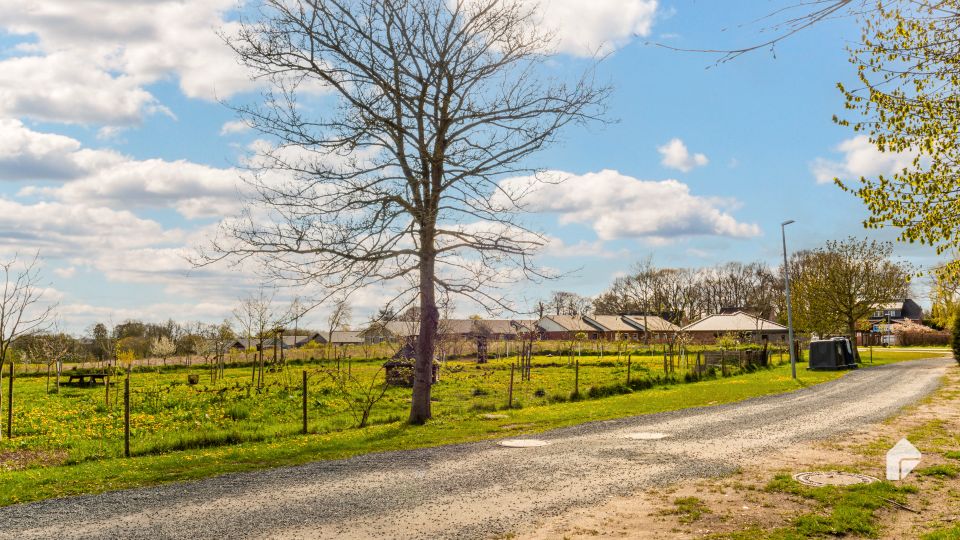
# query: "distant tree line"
834,287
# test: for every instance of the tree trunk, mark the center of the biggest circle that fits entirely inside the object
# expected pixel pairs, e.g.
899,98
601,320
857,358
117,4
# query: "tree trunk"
852,333
426,343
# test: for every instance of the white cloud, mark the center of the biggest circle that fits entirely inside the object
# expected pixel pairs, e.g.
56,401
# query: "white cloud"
619,206
67,230
677,156
861,159
64,87
557,247
90,61
598,26
92,58
234,126
104,177
66,273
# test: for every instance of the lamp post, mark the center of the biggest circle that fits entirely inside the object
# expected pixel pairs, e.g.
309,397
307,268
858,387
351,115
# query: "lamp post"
786,274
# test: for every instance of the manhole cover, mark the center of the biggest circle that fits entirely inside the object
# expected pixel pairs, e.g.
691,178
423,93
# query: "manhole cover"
833,478
522,443
646,436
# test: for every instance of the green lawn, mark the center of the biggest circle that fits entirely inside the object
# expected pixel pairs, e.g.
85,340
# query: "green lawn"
71,443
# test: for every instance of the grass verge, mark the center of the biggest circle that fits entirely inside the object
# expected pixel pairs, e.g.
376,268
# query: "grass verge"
116,473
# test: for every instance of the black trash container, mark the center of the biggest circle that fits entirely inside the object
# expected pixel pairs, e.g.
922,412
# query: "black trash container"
831,354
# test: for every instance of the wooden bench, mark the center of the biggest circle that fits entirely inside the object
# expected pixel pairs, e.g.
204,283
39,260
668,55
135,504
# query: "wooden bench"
86,379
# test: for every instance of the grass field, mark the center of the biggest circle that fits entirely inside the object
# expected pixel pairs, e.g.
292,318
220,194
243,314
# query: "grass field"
72,442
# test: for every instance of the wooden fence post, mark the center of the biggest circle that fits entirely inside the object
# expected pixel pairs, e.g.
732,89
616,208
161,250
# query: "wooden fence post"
304,402
576,378
628,370
10,403
126,416
510,396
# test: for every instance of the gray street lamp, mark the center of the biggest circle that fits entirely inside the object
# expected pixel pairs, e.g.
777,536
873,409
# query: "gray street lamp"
786,275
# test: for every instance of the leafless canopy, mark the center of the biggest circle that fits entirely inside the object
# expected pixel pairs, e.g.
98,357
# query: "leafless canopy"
21,310
435,101
394,122
785,22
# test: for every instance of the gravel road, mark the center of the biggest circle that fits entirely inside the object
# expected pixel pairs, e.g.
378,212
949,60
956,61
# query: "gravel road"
480,490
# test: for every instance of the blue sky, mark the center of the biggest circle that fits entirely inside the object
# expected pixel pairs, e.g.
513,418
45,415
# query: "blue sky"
116,157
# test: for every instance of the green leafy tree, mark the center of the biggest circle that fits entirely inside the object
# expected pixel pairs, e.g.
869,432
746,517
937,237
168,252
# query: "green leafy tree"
907,102
843,282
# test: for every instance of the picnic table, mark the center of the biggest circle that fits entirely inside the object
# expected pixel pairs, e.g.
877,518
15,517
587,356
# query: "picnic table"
86,379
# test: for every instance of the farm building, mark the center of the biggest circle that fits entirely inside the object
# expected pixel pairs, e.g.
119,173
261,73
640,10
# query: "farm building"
495,329
339,337
905,309
745,326
566,327
613,327
655,325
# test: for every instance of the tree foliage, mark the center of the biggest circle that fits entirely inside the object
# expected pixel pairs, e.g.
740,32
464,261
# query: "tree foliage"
682,294
944,298
835,286
908,101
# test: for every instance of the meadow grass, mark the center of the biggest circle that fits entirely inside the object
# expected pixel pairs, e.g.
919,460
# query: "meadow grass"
182,432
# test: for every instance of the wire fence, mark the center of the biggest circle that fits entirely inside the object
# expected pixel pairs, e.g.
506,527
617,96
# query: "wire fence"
150,411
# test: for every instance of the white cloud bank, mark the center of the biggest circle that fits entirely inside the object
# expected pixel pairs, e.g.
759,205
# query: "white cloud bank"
89,61
597,26
619,206
860,159
92,61
106,177
677,156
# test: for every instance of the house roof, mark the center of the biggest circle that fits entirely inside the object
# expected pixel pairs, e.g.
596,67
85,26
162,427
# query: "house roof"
654,323
734,322
461,327
611,323
343,336
571,324
891,305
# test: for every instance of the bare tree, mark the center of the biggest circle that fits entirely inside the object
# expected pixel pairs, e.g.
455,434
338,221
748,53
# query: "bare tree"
339,315
21,310
437,102
256,318
358,395
793,19
569,303
51,348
